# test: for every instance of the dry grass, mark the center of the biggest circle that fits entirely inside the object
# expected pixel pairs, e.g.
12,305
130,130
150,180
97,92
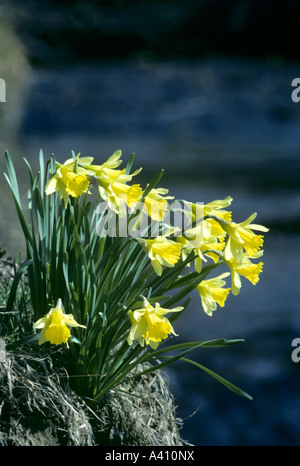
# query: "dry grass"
38,407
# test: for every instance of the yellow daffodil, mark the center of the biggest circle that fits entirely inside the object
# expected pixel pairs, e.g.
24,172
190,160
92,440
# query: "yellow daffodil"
156,203
86,162
246,268
149,324
161,251
107,170
200,240
55,326
198,211
192,240
217,208
212,293
111,184
69,180
241,237
109,175
112,162
119,195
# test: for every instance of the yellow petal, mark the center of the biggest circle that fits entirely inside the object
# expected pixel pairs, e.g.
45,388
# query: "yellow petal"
251,272
114,160
40,323
157,267
57,334
77,185
51,185
220,295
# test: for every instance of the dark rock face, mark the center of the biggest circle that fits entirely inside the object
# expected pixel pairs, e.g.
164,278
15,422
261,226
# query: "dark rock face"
68,30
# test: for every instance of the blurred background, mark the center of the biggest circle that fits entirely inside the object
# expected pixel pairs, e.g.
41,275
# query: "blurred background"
203,90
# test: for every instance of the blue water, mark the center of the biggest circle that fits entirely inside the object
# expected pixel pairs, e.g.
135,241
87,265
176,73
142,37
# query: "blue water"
219,128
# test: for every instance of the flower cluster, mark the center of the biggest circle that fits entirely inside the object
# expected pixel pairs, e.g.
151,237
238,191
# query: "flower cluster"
118,284
73,179
213,236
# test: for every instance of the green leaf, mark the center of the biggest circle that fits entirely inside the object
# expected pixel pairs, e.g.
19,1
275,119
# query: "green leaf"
129,164
23,341
42,173
15,283
220,379
12,181
12,178
217,343
65,263
156,179
30,171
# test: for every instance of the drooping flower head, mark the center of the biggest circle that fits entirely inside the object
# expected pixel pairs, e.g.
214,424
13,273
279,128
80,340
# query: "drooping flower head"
242,238
212,292
107,170
156,204
119,196
112,185
161,251
200,240
149,324
70,179
55,326
200,212
246,268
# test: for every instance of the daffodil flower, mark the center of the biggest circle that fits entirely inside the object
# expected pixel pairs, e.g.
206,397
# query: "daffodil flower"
111,184
149,324
212,293
192,240
246,268
119,195
112,162
241,237
200,240
199,210
107,171
196,212
86,162
156,204
55,326
161,251
69,180
216,208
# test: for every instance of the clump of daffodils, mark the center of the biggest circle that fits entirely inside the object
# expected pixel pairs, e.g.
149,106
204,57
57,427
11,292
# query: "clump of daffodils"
104,279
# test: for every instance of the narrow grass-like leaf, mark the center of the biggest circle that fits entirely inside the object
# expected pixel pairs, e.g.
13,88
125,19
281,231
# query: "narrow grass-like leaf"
220,379
14,286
